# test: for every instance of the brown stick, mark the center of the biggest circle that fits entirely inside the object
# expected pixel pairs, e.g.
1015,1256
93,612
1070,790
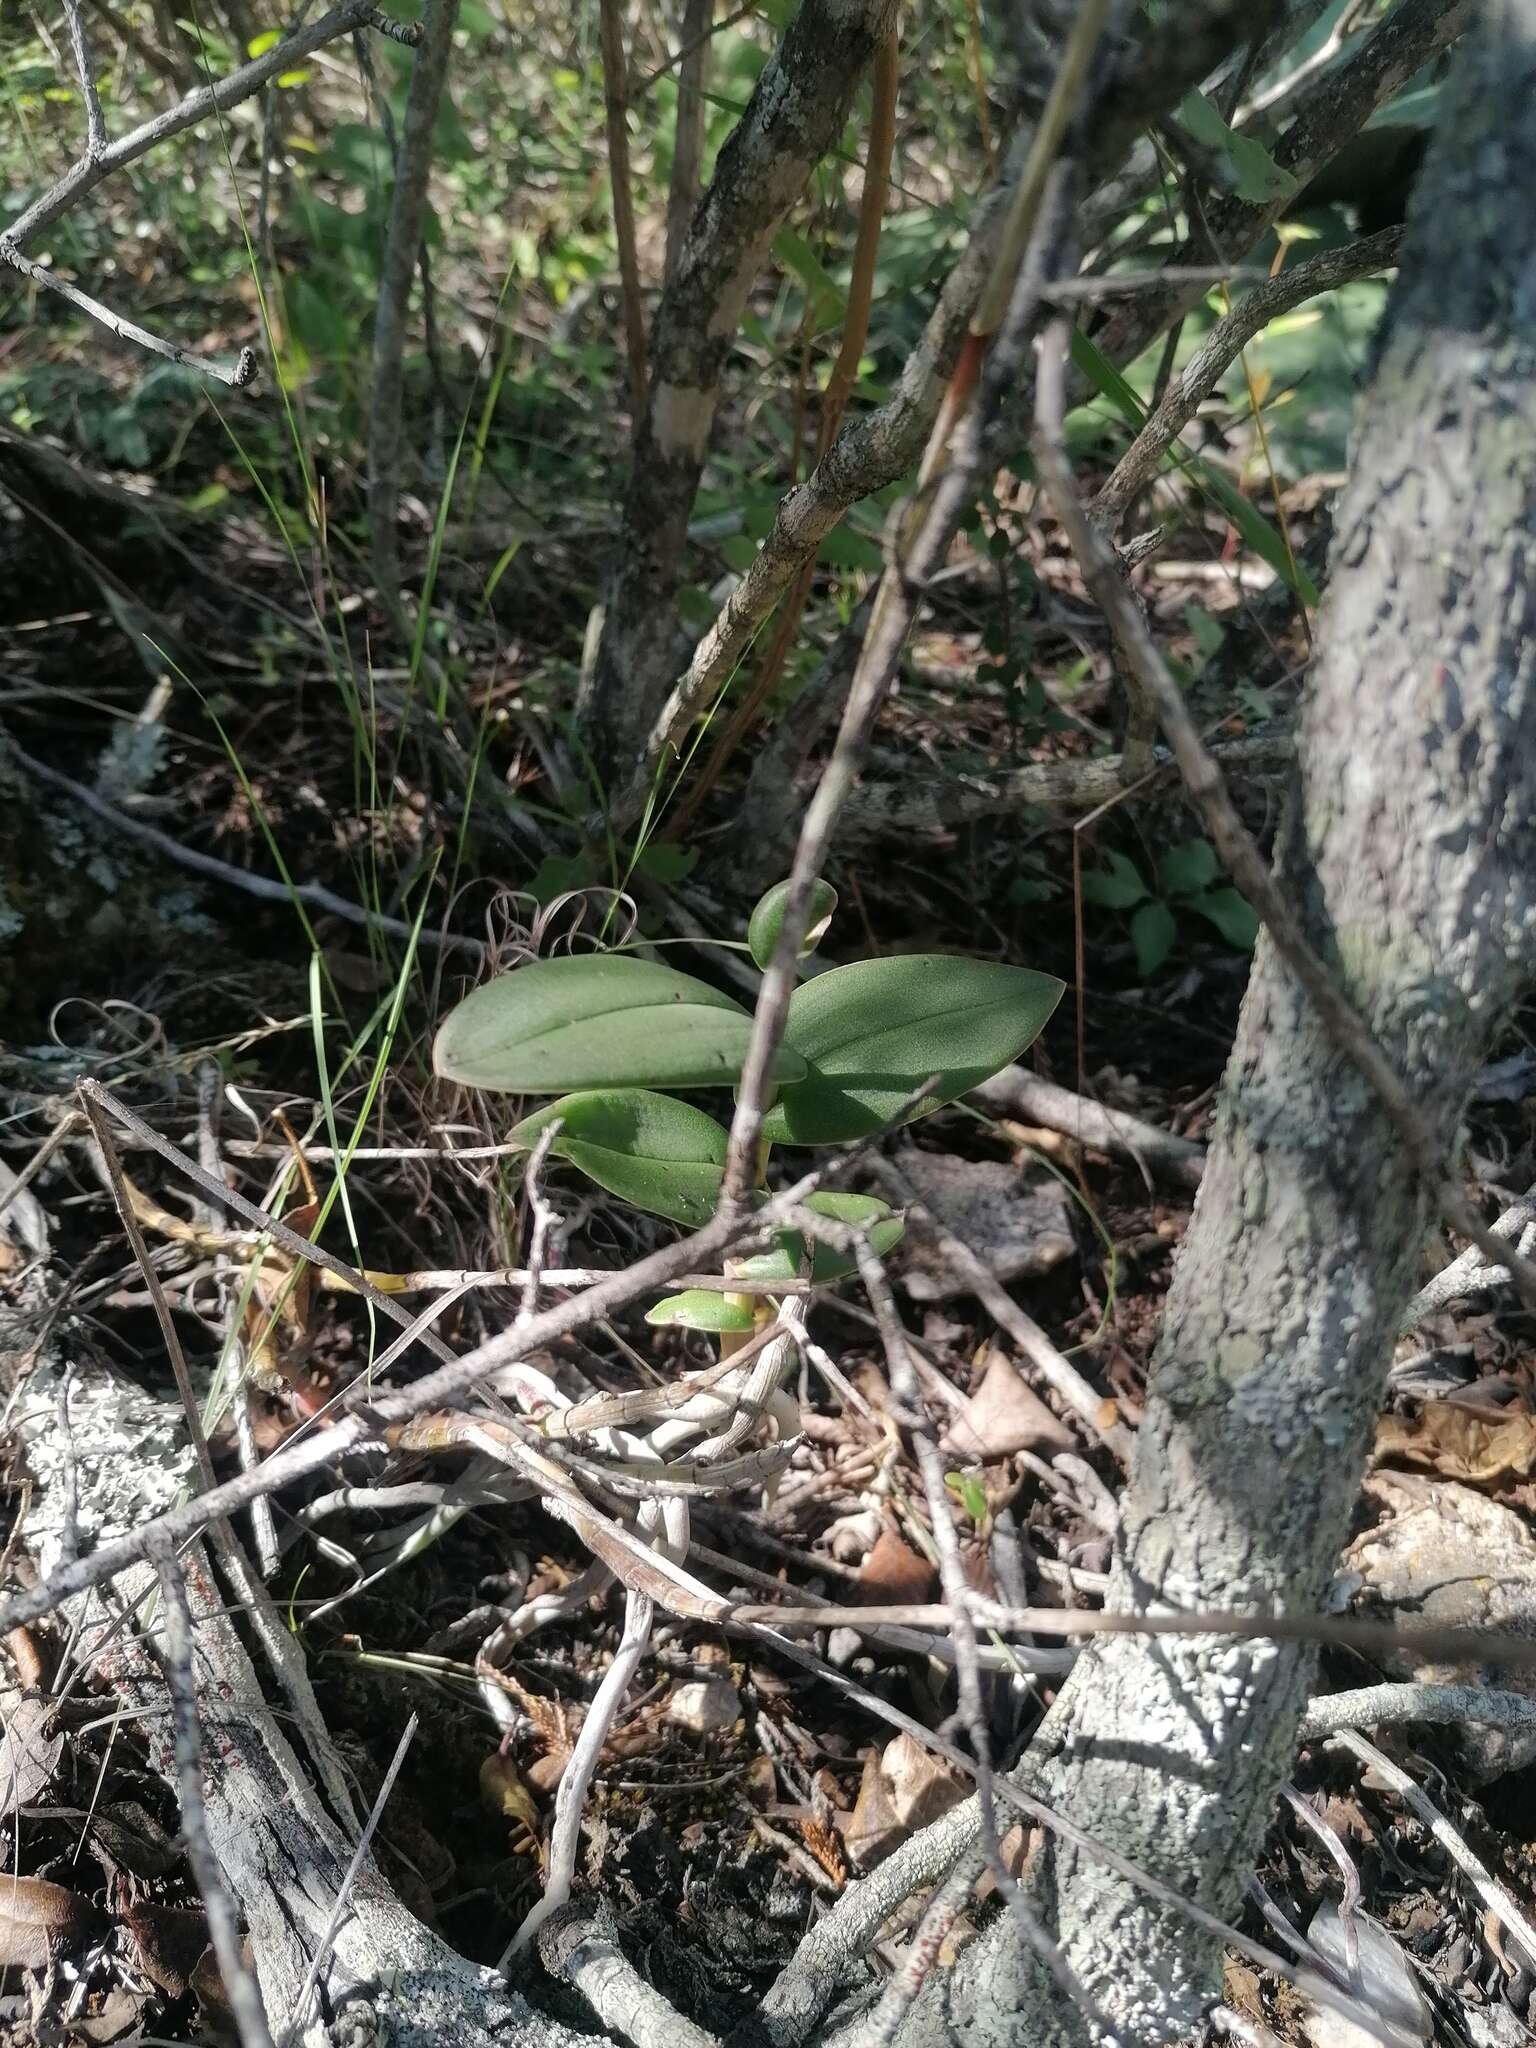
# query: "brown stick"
866,249
616,106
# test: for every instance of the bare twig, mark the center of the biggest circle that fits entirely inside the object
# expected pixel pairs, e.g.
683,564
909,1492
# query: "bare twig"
581,1944
240,85
616,110
577,1777
237,376
882,445
882,810
113,1168
1493,1894
1208,790
1437,1706
402,252
313,894
1220,349
861,282
318,1960
931,527
1473,1274
1016,1092
95,125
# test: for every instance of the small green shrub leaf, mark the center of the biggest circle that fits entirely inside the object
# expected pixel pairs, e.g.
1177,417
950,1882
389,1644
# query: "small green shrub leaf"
1233,916
596,1020
884,1225
1186,870
767,921
662,1156
872,1033
1116,885
1153,932
701,1308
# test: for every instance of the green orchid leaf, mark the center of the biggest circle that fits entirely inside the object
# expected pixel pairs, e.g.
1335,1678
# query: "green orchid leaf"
884,1224
701,1308
767,921
596,1020
662,1156
873,1033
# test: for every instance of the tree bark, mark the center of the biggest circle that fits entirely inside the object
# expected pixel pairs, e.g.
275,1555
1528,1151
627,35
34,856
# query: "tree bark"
794,117
1411,850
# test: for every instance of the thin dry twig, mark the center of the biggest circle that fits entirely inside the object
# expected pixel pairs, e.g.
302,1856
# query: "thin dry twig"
581,1944
240,85
1218,351
1494,1895
238,375
113,1168
314,894
344,1890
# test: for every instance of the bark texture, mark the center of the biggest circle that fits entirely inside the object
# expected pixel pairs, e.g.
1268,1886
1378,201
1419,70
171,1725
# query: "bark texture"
1412,852
794,117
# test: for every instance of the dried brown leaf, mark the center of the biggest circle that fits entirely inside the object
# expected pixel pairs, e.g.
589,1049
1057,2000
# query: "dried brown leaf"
1004,1416
1458,1444
29,1750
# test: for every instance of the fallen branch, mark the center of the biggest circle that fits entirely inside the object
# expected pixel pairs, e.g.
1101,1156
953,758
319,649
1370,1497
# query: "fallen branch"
314,894
1015,1092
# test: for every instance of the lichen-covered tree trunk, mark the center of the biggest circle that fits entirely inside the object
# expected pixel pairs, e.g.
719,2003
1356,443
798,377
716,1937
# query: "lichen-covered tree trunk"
1411,854
794,117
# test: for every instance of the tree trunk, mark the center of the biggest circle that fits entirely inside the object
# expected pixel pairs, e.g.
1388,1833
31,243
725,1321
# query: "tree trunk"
1411,852
794,117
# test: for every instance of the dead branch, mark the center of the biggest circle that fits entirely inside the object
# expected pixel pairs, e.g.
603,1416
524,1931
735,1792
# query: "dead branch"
1217,353
616,112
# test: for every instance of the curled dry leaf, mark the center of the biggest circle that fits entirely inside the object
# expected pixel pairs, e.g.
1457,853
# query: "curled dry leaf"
893,1572
29,1750
1458,1443
38,1918
904,1787
168,1943
1004,1416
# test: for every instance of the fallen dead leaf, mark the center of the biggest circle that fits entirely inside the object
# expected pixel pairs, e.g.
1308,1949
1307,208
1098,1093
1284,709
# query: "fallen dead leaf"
893,1572
38,1918
1004,1416
873,1829
1459,1444
29,1750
